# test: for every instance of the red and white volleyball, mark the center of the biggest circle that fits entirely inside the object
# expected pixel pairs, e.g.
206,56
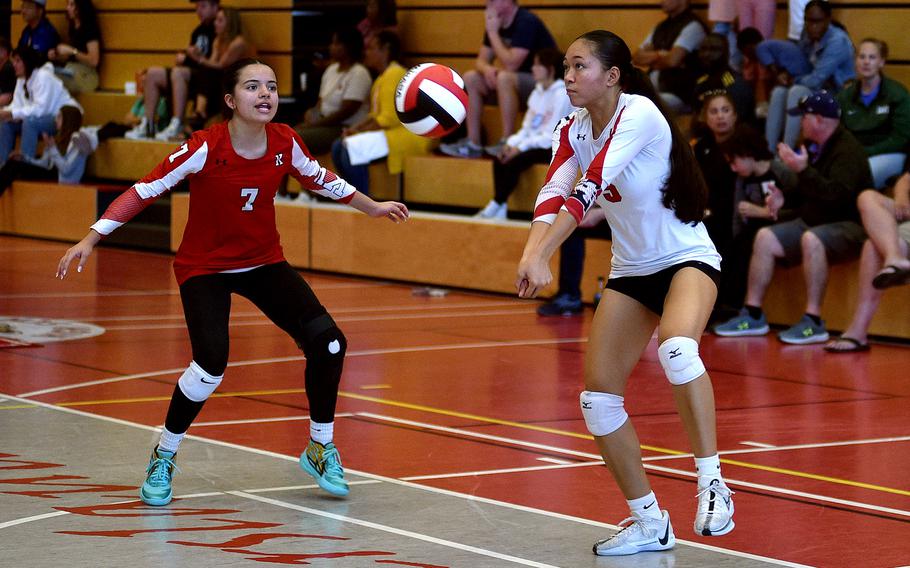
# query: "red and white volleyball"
431,100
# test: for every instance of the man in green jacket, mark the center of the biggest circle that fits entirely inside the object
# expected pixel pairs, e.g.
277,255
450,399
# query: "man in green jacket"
830,173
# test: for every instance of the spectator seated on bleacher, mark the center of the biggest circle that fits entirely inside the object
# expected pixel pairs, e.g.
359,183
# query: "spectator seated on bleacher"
77,60
230,45
829,176
876,109
134,120
39,33
669,54
382,16
380,135
175,81
344,94
7,73
38,97
720,117
67,166
823,59
501,74
715,74
756,171
884,261
533,143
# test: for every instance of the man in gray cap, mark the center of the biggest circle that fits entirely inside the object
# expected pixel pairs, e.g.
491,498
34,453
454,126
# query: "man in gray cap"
830,170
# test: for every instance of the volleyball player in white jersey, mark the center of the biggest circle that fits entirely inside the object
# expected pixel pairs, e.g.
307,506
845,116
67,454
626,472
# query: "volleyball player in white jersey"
638,167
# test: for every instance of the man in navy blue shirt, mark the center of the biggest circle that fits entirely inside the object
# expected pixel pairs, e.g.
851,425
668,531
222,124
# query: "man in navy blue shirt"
502,72
39,34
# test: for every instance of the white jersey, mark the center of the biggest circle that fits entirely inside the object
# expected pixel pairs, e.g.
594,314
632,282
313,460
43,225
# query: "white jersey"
624,171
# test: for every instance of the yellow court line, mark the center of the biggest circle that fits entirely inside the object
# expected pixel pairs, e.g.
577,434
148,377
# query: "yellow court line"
817,477
467,416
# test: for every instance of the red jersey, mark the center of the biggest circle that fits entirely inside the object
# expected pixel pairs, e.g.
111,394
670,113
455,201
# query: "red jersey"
231,223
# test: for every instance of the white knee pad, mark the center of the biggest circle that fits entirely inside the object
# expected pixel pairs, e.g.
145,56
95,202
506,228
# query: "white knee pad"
603,412
679,358
196,384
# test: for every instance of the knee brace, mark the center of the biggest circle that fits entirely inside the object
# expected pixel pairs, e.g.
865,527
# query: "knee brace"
603,412
679,358
321,340
196,384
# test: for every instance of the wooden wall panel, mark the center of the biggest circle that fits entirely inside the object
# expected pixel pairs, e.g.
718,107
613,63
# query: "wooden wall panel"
138,31
34,209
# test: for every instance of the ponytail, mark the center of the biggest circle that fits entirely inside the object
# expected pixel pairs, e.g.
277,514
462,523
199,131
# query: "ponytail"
685,191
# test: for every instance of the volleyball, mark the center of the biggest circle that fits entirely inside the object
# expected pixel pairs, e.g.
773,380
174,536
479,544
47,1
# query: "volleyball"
430,100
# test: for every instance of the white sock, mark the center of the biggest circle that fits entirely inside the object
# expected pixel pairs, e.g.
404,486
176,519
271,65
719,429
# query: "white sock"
169,442
645,507
707,468
322,432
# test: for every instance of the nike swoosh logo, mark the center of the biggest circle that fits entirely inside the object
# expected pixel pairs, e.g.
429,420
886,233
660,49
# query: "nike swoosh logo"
208,382
649,505
663,541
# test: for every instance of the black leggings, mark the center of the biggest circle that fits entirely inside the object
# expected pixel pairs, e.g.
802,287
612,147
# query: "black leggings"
286,299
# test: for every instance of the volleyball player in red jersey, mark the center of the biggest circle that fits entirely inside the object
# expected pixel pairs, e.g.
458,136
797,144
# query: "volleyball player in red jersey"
231,245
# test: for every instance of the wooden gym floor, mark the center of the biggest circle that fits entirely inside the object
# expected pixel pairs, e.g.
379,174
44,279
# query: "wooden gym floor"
458,424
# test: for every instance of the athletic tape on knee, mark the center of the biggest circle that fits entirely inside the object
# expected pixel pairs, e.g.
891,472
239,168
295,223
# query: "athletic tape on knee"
196,384
680,360
603,412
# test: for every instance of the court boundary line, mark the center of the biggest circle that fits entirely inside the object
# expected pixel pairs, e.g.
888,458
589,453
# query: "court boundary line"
428,488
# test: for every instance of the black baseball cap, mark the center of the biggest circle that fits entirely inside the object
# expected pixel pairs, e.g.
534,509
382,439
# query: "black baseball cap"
820,102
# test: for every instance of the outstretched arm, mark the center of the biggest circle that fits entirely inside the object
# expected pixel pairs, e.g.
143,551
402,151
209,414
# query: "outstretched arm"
396,212
80,251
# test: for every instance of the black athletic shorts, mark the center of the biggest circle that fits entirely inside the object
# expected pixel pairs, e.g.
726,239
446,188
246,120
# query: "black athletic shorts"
651,290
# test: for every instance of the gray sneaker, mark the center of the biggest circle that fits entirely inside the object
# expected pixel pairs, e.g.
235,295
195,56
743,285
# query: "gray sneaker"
464,148
495,149
742,325
804,332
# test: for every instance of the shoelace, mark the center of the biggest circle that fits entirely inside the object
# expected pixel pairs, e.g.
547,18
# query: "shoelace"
721,490
160,470
332,463
624,524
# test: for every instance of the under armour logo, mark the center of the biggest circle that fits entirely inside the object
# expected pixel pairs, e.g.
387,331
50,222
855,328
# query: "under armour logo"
220,162
279,159
675,353
586,405
580,136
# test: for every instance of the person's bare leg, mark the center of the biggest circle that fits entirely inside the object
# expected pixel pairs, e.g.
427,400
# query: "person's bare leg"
180,83
621,330
765,251
477,89
507,94
155,82
815,271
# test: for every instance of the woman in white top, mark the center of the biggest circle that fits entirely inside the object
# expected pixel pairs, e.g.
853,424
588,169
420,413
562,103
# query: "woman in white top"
547,104
344,94
38,96
640,170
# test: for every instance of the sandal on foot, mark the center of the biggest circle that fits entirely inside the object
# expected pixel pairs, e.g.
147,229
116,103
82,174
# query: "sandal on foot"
853,345
890,276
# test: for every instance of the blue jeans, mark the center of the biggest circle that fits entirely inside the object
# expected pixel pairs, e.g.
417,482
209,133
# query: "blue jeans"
785,54
781,99
31,129
884,166
358,176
